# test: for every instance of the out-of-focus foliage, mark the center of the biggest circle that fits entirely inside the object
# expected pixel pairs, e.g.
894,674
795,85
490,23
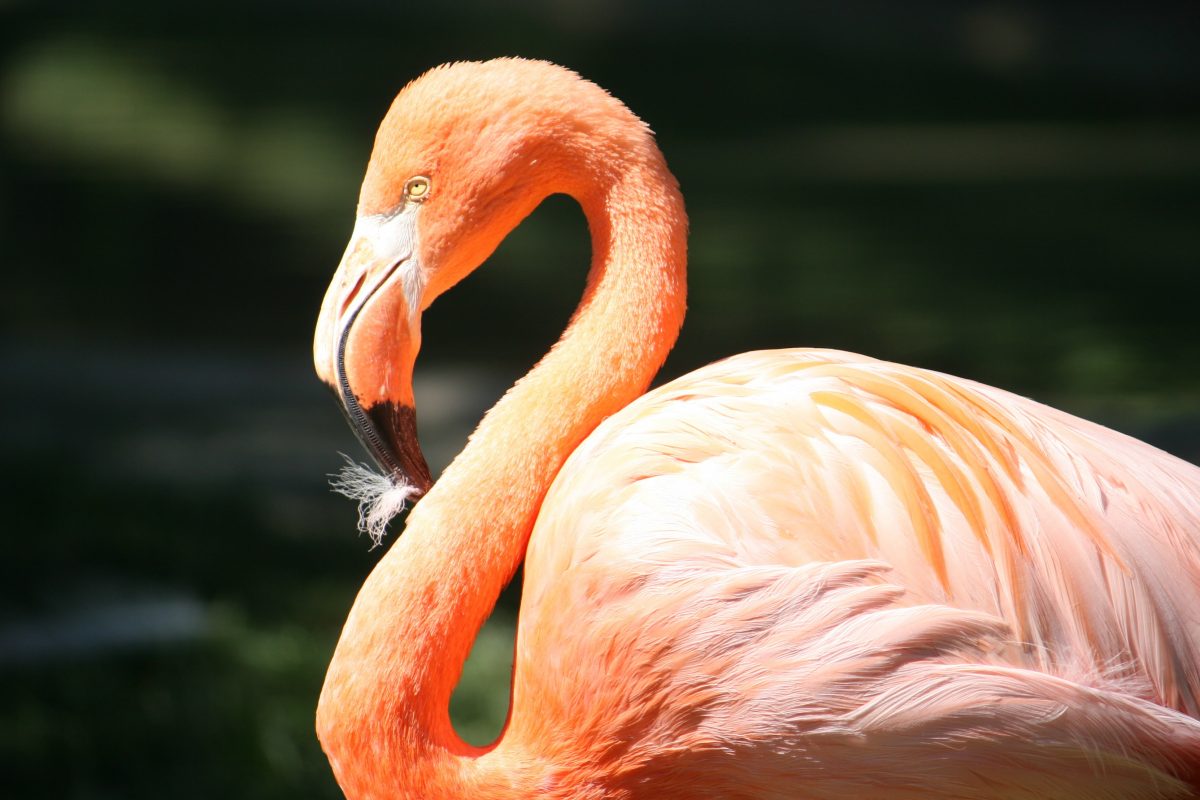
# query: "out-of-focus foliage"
1003,191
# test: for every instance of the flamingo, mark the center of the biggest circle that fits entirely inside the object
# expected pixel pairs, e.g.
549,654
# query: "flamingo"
790,574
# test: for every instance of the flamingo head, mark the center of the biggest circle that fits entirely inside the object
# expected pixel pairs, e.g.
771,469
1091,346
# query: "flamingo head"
465,152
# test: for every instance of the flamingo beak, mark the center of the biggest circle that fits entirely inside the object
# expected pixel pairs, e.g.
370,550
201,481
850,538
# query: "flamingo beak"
367,339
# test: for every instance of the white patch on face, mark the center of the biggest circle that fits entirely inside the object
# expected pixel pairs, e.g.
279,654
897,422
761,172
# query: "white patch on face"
413,278
393,239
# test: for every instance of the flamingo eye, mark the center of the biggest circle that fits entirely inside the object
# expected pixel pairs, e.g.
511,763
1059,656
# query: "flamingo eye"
416,189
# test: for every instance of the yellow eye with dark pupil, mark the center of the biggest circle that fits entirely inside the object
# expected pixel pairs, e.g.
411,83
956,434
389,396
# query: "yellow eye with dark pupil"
416,188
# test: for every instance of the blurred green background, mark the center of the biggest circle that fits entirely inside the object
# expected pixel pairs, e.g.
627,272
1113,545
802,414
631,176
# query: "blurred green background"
1005,191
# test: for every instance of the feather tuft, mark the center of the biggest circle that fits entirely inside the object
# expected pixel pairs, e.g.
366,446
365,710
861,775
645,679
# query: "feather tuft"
379,497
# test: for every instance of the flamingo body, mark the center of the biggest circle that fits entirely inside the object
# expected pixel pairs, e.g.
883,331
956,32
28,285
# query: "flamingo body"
791,574
812,544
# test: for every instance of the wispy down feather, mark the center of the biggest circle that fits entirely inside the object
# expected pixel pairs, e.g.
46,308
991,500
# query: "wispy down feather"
379,497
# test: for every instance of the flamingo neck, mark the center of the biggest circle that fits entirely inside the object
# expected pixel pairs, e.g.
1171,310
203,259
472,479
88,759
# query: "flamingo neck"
383,717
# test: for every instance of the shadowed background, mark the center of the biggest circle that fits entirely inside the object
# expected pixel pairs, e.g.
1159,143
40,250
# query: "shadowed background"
1007,192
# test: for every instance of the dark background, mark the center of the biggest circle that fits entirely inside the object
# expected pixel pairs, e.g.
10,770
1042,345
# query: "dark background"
1004,191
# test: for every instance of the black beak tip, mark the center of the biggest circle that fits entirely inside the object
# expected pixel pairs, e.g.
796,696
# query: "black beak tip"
392,442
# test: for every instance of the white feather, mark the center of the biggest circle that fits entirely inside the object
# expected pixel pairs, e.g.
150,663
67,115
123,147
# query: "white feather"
379,497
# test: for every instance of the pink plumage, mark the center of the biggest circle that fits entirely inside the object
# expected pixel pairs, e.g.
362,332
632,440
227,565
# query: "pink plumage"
768,516
790,574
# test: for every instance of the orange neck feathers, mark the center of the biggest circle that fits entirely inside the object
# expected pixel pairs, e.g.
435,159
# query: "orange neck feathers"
383,716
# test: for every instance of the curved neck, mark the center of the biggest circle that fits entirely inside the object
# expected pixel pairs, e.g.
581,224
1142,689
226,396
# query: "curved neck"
383,717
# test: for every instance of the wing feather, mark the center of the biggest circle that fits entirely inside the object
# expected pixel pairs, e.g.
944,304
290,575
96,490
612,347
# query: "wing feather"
725,538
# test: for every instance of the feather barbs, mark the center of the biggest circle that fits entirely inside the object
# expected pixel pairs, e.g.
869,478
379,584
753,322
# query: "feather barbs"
380,498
